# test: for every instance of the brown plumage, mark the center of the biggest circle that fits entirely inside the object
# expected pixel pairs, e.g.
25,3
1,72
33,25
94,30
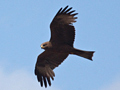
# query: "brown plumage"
59,46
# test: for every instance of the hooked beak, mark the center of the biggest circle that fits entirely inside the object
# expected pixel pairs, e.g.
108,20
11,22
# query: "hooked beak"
41,46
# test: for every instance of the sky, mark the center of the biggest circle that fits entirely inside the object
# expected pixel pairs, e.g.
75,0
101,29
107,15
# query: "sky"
24,25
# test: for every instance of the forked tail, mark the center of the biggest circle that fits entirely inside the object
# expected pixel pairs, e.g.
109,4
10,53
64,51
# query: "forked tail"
85,54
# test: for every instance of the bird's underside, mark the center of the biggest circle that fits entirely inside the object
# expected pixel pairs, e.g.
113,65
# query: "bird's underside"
59,46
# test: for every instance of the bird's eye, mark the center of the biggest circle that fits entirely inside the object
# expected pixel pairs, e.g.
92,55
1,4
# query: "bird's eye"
44,44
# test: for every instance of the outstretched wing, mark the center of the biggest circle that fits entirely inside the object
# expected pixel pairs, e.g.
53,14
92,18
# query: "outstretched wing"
46,62
62,30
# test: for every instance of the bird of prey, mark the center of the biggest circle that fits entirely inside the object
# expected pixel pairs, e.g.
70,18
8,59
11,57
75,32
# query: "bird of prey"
59,46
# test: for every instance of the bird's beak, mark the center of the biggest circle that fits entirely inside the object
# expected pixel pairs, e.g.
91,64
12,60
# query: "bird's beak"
41,46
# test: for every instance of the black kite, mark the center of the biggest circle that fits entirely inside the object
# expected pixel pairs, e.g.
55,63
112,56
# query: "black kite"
59,46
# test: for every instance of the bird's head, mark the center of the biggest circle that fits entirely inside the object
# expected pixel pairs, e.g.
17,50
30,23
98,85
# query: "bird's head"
46,45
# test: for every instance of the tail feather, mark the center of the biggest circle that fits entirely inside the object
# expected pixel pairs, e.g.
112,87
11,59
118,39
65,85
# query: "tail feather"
85,54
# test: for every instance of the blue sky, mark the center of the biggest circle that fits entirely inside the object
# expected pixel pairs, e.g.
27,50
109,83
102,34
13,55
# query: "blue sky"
24,25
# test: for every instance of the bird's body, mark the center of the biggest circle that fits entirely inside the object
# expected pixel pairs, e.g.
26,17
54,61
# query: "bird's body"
59,46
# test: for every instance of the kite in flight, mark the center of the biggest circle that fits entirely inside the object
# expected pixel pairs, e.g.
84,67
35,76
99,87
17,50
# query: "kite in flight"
59,46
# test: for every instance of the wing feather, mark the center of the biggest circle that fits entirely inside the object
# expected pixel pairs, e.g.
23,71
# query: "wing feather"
62,30
46,62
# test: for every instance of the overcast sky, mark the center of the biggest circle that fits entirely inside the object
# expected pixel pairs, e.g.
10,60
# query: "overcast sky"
24,25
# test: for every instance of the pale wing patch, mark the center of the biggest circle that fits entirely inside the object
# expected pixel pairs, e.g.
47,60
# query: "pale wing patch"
46,71
67,19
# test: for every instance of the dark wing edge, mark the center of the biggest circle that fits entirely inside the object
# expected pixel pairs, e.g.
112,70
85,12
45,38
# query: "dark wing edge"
46,62
44,74
66,12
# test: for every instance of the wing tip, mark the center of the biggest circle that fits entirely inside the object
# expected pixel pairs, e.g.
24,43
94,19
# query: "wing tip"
66,10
